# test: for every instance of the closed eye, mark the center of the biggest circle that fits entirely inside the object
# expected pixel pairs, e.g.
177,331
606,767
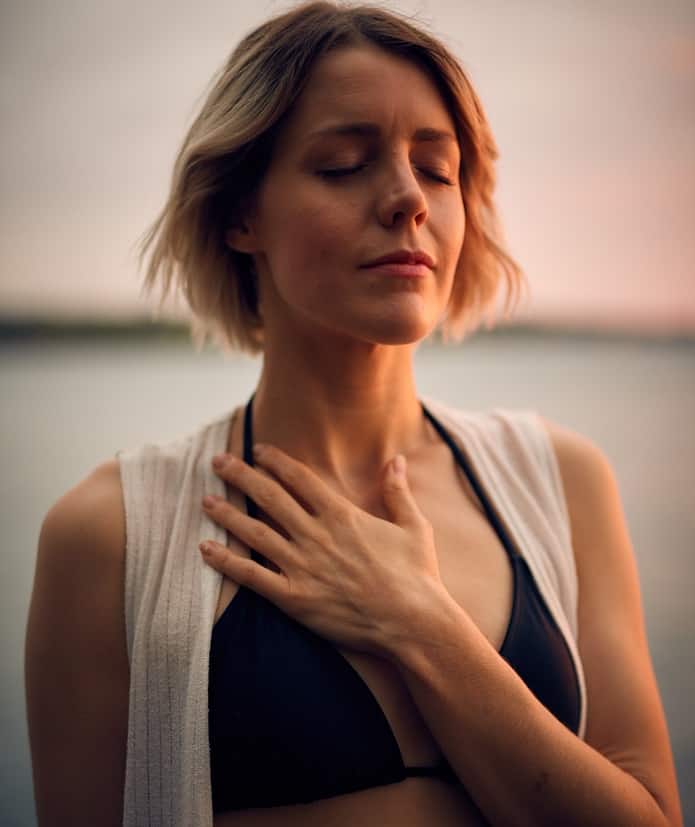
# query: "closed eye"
339,173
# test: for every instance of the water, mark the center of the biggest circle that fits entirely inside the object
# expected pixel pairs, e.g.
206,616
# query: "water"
68,406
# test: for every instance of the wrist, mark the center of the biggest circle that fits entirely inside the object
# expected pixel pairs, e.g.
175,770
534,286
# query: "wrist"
427,620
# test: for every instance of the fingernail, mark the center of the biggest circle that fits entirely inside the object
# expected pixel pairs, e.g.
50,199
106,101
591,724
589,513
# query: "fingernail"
218,461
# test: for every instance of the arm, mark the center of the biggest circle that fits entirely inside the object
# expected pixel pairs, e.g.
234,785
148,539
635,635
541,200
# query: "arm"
519,763
76,664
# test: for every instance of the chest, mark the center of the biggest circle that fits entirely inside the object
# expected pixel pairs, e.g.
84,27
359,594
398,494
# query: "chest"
474,567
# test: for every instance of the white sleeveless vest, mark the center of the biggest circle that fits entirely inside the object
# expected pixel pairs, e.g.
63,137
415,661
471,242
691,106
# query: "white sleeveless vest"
171,594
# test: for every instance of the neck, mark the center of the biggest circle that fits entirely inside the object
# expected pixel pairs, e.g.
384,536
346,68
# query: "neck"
345,419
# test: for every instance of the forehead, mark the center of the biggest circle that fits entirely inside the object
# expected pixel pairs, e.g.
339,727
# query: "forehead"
367,83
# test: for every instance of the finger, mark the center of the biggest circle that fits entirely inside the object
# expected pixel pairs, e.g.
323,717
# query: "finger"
251,531
247,572
398,497
299,478
268,494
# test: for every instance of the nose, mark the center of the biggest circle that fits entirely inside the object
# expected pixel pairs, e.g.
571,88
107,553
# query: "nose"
401,198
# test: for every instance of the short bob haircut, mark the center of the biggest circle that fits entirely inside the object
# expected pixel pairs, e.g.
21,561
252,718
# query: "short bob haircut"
228,149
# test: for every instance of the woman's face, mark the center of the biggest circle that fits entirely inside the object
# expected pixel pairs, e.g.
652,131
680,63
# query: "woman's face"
312,229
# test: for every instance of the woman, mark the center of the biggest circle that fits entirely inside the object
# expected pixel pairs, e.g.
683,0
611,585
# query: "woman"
454,640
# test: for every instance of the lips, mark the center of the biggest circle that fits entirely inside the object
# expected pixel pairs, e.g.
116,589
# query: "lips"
412,257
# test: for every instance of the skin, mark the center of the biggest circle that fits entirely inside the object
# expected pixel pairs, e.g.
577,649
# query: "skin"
338,363
339,339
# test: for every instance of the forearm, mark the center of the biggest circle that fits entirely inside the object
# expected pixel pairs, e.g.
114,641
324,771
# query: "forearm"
517,761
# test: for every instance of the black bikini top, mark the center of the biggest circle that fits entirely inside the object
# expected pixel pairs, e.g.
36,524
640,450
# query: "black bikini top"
290,719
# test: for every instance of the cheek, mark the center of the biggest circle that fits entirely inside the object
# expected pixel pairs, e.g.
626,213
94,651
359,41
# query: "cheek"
313,238
450,215
450,224
310,247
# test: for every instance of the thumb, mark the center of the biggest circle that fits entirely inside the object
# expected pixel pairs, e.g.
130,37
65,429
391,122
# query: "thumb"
397,495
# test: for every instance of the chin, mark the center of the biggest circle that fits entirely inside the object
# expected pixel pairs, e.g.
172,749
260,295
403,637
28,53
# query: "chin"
402,334
393,328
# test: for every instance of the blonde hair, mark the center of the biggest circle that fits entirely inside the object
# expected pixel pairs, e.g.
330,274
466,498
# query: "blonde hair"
228,148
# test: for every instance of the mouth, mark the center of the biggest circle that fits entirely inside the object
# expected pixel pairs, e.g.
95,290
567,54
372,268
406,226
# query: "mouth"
398,270
406,257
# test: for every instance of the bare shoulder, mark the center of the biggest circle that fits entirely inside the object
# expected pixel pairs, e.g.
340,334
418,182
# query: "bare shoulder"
81,555
589,483
606,567
90,512
580,459
76,663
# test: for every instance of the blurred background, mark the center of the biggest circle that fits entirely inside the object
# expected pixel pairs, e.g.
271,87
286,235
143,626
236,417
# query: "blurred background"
593,109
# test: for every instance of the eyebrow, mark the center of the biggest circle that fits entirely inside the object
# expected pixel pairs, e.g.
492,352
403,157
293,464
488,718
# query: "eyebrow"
368,130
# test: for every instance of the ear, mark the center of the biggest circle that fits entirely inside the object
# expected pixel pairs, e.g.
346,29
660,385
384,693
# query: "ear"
241,237
241,232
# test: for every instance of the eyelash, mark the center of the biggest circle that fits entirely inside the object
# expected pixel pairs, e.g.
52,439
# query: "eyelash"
339,173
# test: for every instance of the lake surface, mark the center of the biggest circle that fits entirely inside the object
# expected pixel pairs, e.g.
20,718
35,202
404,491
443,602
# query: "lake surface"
67,406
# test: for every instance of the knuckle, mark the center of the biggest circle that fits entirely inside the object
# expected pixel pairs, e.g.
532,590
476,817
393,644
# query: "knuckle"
264,498
258,532
246,572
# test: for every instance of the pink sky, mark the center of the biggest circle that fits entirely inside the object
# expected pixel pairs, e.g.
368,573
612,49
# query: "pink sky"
592,106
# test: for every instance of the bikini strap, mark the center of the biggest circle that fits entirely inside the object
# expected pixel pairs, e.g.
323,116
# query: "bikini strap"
465,463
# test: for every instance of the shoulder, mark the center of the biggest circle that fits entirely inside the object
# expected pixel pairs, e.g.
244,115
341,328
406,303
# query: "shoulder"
591,492
80,568
580,458
583,465
93,506
85,527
